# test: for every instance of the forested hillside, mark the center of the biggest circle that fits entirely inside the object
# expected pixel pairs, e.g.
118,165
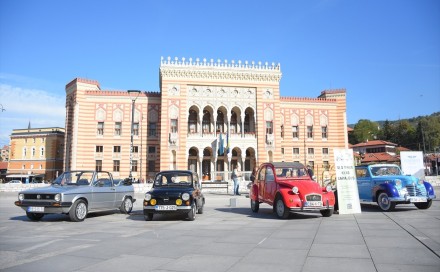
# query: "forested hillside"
418,133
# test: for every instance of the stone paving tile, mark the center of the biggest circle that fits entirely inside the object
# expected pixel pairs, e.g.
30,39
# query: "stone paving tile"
339,251
406,268
202,263
407,256
339,264
288,243
392,242
132,263
268,256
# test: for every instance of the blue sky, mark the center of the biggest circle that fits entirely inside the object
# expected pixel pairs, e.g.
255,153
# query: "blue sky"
386,54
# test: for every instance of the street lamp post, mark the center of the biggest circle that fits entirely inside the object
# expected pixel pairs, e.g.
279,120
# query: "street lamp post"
133,95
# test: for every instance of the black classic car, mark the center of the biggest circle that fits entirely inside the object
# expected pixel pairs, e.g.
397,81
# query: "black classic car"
174,191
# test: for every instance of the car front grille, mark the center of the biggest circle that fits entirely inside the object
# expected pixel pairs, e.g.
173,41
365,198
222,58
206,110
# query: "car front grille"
313,197
166,201
416,191
39,197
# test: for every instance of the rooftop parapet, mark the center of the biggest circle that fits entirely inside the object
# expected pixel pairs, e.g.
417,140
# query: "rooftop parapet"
239,65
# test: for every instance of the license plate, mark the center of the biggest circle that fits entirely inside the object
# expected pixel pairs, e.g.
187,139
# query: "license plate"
165,207
417,199
36,209
313,204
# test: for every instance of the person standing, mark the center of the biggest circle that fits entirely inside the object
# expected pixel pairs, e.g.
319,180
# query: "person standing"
235,175
310,172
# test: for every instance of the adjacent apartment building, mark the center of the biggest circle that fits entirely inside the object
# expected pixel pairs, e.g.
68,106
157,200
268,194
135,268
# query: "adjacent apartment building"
207,117
36,154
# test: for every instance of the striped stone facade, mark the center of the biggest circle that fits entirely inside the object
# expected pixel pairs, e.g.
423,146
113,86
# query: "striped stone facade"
203,106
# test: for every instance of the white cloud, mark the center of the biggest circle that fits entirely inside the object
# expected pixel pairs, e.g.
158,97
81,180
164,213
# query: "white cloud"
22,105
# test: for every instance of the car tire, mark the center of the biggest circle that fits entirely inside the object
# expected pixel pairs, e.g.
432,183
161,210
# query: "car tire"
384,202
148,216
78,211
126,206
200,210
192,212
34,216
423,205
255,205
327,212
280,209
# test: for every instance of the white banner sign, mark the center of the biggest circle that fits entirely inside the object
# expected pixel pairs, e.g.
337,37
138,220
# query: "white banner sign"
346,184
412,163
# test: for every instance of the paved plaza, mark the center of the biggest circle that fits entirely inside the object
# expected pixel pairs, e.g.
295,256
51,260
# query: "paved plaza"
224,238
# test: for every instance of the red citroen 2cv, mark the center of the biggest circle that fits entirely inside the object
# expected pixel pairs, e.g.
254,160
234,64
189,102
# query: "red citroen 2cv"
288,188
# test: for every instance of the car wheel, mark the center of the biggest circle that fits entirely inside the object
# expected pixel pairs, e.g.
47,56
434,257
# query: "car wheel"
78,212
281,210
192,213
423,205
200,210
255,205
384,202
148,216
127,205
34,216
327,212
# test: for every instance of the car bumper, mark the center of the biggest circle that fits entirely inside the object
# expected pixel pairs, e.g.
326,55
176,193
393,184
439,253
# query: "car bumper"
311,208
412,199
155,209
49,207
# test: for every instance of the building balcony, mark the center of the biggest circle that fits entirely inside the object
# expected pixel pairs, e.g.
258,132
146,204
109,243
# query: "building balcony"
173,137
270,139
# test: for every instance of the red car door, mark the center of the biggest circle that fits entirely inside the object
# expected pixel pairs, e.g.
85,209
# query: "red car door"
270,185
261,183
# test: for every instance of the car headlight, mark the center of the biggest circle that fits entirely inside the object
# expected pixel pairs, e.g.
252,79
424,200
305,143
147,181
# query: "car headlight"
403,191
57,197
398,182
147,196
185,196
295,190
421,181
20,197
328,188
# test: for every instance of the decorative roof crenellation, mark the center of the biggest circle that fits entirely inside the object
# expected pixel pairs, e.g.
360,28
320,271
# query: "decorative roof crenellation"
239,65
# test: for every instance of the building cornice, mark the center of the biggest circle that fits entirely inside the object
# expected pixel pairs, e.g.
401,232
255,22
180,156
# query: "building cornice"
220,70
306,99
119,93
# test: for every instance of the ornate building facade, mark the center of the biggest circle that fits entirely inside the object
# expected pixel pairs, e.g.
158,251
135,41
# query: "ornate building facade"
208,117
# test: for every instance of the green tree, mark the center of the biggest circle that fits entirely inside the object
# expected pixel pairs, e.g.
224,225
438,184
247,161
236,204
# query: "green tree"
365,130
428,134
387,131
404,134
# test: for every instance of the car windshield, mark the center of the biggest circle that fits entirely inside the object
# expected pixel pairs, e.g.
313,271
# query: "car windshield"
283,172
385,170
173,179
74,178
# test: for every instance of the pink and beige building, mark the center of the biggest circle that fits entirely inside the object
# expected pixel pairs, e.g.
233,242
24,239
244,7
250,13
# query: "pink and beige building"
36,153
208,116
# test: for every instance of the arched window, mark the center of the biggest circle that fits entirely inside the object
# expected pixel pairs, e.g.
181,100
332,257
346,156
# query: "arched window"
192,121
234,125
206,122
220,122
